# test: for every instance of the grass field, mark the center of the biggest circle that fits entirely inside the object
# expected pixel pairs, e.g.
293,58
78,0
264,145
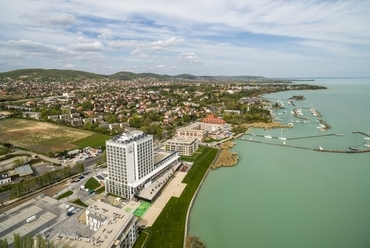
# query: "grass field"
3,150
168,230
43,137
194,156
92,183
100,190
95,140
80,203
66,194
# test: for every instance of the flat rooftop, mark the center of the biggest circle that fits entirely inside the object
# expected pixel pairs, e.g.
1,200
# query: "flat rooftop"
157,159
182,140
151,191
115,220
128,136
160,155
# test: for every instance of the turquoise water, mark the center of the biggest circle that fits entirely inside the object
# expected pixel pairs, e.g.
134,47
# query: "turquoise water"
287,197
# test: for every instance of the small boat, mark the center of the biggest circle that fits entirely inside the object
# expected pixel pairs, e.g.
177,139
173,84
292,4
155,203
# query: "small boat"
268,136
366,144
320,147
284,143
353,148
281,135
338,134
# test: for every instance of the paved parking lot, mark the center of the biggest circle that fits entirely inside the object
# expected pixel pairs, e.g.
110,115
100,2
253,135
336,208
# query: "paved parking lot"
50,212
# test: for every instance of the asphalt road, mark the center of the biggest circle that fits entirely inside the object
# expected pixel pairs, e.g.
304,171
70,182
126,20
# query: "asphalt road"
91,162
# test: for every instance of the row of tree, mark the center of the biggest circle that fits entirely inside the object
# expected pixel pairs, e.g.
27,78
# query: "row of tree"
28,242
38,182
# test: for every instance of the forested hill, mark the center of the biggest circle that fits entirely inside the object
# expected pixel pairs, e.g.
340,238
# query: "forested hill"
54,75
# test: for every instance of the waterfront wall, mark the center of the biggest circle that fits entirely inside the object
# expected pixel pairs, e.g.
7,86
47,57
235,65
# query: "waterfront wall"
195,195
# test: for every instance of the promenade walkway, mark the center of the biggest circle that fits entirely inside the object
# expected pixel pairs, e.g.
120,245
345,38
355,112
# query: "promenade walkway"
173,189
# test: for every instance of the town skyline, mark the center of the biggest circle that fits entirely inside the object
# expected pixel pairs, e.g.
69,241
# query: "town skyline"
267,38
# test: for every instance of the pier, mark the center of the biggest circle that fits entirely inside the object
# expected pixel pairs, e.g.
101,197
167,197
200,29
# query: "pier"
301,147
295,138
364,134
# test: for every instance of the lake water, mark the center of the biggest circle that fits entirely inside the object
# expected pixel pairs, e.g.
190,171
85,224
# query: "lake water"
278,196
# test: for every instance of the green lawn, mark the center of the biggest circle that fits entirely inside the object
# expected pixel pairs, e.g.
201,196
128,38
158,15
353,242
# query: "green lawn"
142,239
100,190
194,156
92,183
168,230
64,195
80,203
95,140
3,150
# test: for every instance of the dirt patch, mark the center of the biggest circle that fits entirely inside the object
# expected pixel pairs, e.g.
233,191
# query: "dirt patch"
40,137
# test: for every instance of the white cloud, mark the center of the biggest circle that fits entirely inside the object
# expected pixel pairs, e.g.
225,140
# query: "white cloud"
41,19
94,46
69,65
138,53
163,44
106,33
125,44
189,57
156,45
82,39
222,36
28,46
160,66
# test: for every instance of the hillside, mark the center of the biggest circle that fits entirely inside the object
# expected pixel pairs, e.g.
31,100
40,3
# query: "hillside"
50,75
55,75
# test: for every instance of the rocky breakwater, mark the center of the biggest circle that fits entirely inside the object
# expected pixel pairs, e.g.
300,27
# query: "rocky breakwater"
226,158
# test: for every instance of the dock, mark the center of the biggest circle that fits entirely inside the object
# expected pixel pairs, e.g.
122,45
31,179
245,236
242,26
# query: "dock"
306,148
295,138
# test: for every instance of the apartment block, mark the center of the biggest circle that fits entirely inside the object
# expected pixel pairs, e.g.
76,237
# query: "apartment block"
184,146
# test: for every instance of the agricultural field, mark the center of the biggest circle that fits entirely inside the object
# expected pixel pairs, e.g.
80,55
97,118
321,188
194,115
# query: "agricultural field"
43,137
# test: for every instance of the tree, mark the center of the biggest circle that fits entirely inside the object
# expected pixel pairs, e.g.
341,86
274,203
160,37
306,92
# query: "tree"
18,161
4,243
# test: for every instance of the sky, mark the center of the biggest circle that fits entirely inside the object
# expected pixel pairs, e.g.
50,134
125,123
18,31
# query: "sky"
270,38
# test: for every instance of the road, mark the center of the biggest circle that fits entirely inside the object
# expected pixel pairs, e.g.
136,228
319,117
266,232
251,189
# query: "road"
91,162
43,157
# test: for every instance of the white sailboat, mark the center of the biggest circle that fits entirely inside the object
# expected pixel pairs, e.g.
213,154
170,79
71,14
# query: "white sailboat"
366,143
281,135
320,147
267,136
353,148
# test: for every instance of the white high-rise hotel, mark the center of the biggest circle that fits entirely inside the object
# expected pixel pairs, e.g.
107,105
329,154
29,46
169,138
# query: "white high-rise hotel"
132,164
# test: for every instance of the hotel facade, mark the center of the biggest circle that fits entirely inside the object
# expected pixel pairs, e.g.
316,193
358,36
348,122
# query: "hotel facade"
133,165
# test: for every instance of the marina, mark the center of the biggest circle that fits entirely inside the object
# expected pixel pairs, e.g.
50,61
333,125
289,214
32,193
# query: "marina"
352,149
293,196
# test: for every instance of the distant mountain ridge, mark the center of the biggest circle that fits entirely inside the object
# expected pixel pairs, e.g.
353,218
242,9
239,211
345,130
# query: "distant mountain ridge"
56,75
